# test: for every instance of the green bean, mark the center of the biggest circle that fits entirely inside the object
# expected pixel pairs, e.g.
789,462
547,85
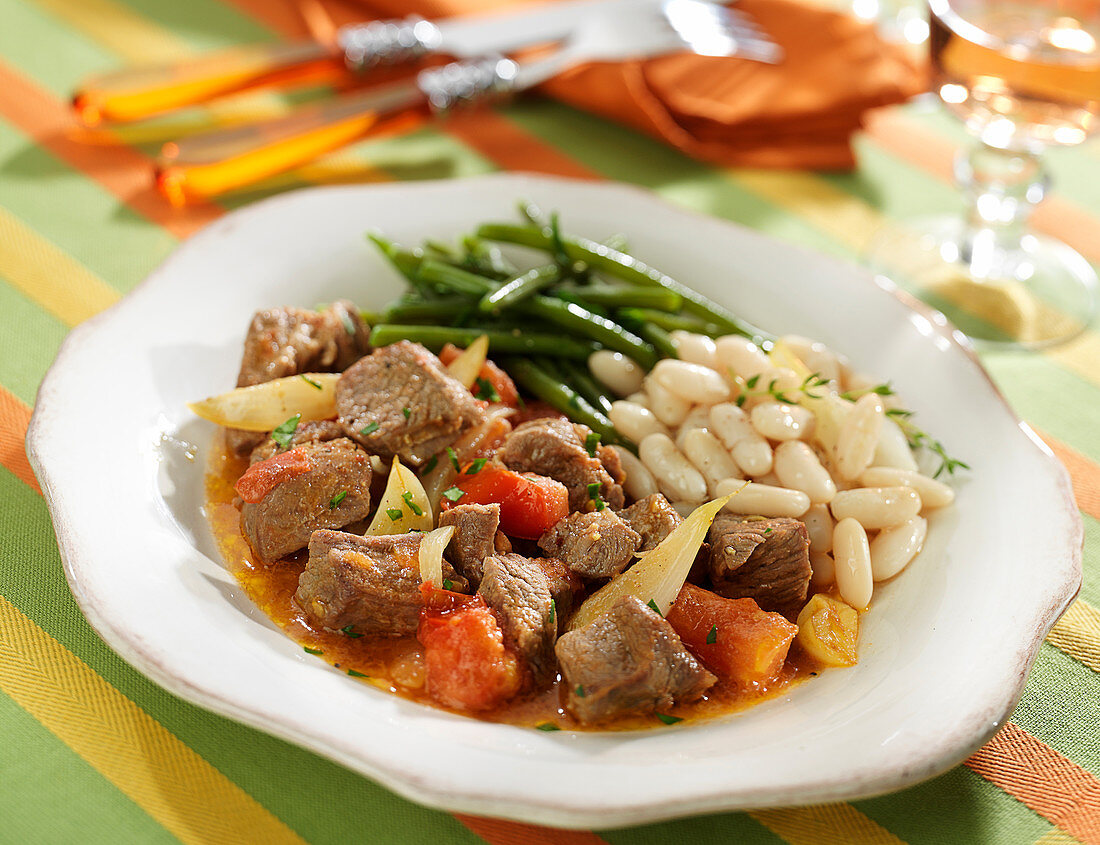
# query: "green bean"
515,342
660,340
407,262
578,376
622,266
519,288
669,322
454,278
562,397
580,320
447,309
617,242
486,258
624,296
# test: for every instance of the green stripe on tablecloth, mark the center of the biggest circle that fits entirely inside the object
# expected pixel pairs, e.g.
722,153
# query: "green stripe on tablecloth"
1090,591
60,798
30,341
205,24
32,579
724,827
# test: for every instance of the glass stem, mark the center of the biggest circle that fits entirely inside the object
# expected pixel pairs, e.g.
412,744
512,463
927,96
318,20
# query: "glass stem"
1002,187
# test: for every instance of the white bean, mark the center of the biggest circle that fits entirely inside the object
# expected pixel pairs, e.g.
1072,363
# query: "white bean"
893,449
876,507
815,355
618,372
667,406
819,525
763,499
933,494
740,355
855,445
675,475
697,418
639,398
709,456
639,481
696,348
893,548
634,421
684,508
797,466
852,556
749,449
777,421
822,569
691,382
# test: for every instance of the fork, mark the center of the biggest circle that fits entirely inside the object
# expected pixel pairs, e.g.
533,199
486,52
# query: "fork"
212,163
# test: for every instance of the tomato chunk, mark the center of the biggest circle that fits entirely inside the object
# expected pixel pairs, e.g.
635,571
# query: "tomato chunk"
263,477
500,382
530,505
734,638
467,665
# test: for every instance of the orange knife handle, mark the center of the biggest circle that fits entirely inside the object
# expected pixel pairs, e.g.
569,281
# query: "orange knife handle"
212,163
137,93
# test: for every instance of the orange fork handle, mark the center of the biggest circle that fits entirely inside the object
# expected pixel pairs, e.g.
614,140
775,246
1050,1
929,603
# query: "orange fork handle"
212,163
137,93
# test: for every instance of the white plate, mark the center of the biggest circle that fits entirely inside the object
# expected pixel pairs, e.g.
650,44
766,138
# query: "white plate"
945,648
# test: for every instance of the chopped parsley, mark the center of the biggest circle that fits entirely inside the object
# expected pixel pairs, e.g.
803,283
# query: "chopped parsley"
453,458
335,501
369,428
309,650
407,412
349,631
751,383
312,383
413,506
653,606
475,467
547,726
355,674
486,391
453,494
591,442
712,635
448,584
284,432
768,530
393,513
594,495
430,465
580,691
669,720
553,611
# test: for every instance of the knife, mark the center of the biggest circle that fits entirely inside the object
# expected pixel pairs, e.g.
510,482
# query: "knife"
136,93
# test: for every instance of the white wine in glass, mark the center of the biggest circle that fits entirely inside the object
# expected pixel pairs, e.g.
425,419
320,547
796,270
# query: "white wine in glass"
1022,76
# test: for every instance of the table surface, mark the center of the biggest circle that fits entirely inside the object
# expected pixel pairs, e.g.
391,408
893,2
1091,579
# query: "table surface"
92,751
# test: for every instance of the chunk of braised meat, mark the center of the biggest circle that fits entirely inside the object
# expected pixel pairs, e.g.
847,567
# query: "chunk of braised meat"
371,584
399,400
284,519
518,591
612,463
763,559
556,448
287,341
319,431
653,517
566,587
474,538
596,545
629,661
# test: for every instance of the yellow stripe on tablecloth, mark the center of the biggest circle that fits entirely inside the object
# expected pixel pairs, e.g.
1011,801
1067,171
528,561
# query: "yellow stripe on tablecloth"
1077,633
1057,837
826,824
852,222
168,780
49,277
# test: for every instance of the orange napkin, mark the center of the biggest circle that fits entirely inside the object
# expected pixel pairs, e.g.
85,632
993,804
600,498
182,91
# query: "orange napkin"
800,113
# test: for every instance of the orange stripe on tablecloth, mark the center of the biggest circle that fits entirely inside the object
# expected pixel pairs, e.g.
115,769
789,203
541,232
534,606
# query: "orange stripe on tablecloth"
14,419
1038,776
121,170
1055,216
501,832
1084,473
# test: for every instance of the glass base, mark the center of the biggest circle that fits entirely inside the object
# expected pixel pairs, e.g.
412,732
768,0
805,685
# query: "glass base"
1036,294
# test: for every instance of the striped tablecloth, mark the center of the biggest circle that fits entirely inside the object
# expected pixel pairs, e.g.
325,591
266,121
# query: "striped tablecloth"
91,751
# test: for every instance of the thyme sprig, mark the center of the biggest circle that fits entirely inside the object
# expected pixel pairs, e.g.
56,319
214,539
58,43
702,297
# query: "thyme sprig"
807,388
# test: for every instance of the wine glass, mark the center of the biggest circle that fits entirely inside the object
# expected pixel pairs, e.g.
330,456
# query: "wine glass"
1022,76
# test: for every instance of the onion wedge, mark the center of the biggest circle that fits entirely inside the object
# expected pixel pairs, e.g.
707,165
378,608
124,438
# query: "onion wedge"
432,545
468,364
404,506
657,578
262,407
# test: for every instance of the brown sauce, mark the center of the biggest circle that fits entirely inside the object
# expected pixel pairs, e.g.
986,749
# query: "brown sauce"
391,663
